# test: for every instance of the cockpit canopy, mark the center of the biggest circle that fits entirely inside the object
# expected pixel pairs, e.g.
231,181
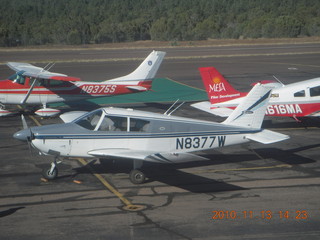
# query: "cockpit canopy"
100,121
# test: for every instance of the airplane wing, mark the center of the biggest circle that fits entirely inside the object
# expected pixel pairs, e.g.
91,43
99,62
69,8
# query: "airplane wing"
149,156
70,116
32,71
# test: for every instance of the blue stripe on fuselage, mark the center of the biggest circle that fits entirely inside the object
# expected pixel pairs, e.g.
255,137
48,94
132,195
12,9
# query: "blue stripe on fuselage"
132,136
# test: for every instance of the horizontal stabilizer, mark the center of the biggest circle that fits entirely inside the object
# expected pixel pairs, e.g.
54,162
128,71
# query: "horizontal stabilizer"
267,137
137,88
146,155
207,107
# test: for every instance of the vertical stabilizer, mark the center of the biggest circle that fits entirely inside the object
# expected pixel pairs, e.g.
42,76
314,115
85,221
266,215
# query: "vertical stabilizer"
217,87
250,113
147,69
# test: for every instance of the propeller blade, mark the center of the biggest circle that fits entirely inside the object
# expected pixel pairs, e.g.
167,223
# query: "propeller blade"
24,122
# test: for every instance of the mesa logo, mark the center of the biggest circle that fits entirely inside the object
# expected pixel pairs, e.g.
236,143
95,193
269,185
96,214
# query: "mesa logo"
217,85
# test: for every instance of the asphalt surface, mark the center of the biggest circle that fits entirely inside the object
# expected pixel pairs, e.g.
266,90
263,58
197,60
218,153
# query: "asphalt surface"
250,191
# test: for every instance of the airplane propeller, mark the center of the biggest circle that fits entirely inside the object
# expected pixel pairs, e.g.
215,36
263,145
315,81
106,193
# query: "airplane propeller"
26,134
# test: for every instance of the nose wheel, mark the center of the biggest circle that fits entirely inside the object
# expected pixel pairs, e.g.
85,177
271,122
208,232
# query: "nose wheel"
52,172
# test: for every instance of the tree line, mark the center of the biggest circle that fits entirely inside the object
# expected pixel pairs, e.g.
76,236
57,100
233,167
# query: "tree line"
40,22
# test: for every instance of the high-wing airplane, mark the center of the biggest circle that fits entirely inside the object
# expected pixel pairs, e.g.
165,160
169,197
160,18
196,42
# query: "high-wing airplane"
33,85
295,100
145,136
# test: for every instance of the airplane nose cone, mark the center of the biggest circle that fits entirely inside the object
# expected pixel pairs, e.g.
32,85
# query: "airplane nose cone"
23,135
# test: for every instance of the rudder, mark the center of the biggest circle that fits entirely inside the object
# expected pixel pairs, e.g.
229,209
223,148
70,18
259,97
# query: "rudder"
217,87
251,111
146,70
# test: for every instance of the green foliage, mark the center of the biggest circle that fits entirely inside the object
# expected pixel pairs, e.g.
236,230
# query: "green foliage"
30,22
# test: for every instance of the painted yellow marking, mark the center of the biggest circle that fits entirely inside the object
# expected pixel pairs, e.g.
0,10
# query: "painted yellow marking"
183,84
129,206
35,120
32,117
43,180
77,182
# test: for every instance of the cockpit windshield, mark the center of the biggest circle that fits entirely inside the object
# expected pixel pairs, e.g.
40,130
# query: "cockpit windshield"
90,121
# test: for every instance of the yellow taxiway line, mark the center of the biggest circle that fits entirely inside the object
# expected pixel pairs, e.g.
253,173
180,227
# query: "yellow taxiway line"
129,206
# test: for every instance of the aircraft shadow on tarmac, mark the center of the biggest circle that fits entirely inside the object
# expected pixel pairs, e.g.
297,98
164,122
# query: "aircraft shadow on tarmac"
165,173
305,122
171,174
9,211
286,156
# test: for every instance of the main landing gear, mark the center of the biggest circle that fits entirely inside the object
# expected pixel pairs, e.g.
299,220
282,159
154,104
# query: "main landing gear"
136,175
52,172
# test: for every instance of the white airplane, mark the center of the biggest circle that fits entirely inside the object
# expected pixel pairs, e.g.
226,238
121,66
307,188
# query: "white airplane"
145,136
33,85
300,99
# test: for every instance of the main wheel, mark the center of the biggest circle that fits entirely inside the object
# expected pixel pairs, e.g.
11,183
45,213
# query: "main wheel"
50,176
137,177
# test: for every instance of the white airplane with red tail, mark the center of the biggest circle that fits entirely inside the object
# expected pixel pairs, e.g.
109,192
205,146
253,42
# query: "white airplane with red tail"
33,85
300,99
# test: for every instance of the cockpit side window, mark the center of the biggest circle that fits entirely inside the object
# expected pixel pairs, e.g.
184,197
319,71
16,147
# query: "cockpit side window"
18,78
90,121
139,125
113,123
301,93
315,91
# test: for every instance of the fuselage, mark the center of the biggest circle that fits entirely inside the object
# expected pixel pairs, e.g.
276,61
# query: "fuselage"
297,99
112,128
15,89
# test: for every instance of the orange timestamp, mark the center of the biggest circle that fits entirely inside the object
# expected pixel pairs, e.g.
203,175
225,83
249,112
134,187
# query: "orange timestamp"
264,214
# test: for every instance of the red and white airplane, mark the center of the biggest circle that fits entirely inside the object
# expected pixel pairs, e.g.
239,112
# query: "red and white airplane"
33,85
300,99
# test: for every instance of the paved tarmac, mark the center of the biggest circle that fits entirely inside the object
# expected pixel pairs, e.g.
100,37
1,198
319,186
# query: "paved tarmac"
250,191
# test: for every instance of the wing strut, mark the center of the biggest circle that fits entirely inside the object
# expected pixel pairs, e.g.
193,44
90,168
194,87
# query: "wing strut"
29,92
36,80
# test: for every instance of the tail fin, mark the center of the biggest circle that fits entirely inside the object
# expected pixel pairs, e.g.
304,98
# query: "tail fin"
147,69
217,87
250,112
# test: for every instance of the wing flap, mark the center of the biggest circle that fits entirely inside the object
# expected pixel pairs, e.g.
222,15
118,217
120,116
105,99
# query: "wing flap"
148,156
120,153
267,137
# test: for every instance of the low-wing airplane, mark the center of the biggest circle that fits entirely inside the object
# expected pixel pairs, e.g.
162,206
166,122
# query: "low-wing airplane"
145,136
33,85
295,100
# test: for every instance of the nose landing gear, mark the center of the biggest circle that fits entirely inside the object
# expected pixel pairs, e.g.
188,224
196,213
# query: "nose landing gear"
52,172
